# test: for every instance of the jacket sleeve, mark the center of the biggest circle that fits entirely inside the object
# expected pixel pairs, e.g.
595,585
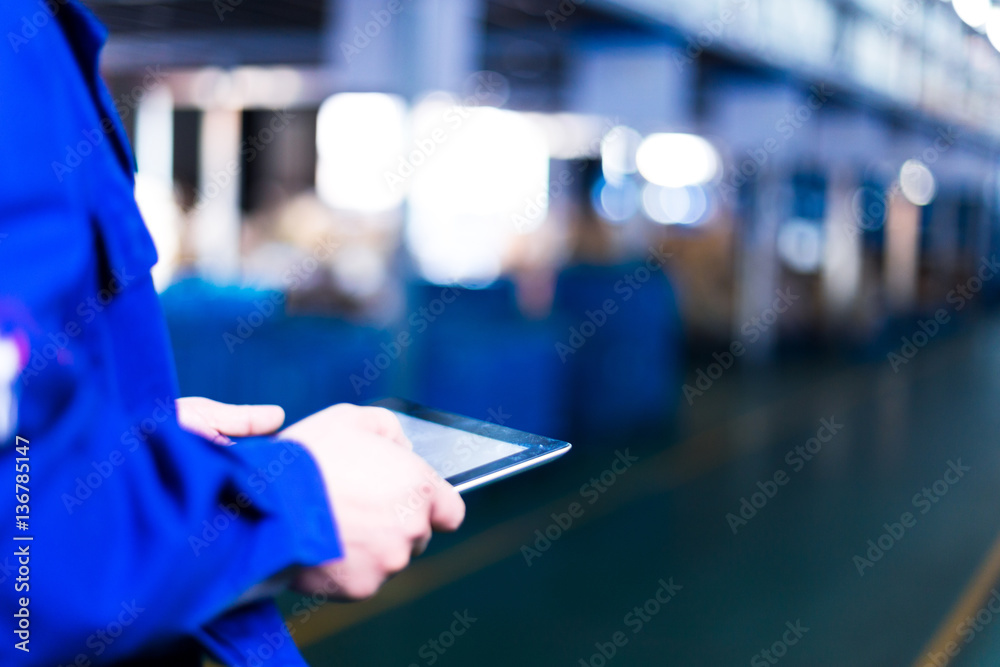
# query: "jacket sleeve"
140,532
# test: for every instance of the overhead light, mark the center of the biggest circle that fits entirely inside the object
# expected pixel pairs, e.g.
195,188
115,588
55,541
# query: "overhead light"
615,202
674,206
993,27
917,183
486,181
359,139
570,136
618,149
975,13
800,245
677,160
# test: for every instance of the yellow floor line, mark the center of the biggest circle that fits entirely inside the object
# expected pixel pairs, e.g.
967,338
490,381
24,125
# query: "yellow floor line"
693,457
688,460
972,599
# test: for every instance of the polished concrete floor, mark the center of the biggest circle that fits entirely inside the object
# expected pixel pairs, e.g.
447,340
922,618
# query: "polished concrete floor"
652,572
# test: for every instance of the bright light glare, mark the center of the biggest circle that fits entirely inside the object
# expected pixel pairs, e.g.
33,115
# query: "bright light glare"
615,203
677,160
974,12
570,136
800,245
154,184
162,217
488,180
618,149
917,182
359,140
993,27
668,206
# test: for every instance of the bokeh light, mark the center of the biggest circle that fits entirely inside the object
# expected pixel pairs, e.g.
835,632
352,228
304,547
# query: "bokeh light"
618,150
917,183
615,202
677,160
668,206
975,13
360,142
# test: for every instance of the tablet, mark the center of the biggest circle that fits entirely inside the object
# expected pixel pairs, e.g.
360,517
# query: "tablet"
467,452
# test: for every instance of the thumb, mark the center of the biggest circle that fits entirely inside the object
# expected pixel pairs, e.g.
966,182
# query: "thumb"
205,415
243,420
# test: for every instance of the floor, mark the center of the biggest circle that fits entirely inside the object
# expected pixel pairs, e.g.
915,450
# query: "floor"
655,565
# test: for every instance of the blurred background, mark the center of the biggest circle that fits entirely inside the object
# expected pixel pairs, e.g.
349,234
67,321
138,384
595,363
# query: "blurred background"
686,230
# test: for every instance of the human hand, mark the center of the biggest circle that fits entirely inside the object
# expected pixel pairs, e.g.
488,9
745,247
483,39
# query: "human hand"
385,498
214,421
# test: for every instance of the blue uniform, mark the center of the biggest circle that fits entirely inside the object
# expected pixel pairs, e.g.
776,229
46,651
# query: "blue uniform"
143,536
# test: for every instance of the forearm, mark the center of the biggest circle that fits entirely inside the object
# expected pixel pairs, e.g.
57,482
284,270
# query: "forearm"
166,540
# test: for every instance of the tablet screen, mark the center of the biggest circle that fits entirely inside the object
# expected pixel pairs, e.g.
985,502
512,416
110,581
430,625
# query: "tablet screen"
451,451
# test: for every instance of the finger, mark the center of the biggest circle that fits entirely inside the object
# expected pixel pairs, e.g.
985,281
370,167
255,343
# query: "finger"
218,438
383,422
192,419
420,544
210,434
448,508
244,420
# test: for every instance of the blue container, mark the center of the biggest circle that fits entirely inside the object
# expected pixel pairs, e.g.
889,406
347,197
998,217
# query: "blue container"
481,358
621,349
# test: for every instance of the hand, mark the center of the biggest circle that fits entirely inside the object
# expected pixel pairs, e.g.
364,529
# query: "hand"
214,421
385,498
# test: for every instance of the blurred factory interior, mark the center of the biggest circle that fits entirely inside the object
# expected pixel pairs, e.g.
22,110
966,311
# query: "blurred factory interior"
621,222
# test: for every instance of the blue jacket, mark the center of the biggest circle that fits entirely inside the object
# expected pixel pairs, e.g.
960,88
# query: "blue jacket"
138,538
